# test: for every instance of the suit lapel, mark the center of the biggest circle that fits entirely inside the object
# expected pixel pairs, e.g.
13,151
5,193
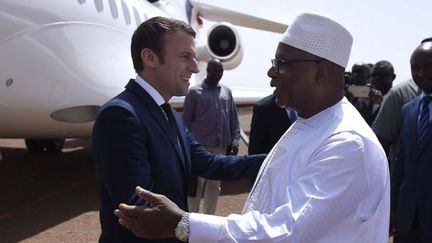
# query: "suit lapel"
182,141
411,122
159,116
427,142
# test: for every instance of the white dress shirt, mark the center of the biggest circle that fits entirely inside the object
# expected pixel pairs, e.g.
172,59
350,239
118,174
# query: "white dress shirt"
326,180
150,90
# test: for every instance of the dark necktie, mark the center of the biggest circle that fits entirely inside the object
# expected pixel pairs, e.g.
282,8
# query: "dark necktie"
424,124
166,107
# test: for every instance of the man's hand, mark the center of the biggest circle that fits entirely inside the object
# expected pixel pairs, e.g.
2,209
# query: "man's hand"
232,150
375,96
156,221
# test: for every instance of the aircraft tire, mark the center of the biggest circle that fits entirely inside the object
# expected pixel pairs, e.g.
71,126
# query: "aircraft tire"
54,145
49,145
34,145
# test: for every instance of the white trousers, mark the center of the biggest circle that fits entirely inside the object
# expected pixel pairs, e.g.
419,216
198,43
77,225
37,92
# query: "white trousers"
207,189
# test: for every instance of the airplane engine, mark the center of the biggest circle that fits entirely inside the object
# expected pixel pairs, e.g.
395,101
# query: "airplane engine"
223,43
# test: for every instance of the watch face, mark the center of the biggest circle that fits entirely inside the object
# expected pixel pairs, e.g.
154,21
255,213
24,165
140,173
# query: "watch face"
181,232
182,229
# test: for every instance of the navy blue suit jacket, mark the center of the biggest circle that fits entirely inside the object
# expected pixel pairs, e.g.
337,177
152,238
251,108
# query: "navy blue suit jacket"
269,123
133,145
412,174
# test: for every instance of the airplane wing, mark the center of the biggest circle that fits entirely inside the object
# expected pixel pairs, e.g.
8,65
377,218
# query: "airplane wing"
219,14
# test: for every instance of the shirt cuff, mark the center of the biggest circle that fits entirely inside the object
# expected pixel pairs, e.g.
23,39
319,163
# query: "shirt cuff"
204,227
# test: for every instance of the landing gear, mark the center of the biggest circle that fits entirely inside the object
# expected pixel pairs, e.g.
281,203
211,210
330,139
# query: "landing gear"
49,145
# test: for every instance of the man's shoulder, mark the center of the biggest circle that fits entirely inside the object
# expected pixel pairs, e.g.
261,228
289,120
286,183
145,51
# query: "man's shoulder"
120,102
196,88
266,101
224,87
411,104
405,90
125,100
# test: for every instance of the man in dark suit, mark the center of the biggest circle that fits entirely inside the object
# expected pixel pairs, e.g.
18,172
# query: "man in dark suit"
411,177
138,140
269,123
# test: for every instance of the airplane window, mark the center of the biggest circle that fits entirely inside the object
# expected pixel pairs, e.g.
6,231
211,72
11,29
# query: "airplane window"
137,17
98,5
126,13
81,1
113,7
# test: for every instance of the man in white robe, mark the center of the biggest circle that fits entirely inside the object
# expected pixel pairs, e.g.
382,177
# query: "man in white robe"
326,180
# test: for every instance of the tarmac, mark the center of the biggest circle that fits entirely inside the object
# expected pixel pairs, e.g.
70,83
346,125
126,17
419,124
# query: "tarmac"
53,197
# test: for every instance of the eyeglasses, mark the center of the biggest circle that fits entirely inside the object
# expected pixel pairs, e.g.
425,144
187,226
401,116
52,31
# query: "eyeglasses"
277,63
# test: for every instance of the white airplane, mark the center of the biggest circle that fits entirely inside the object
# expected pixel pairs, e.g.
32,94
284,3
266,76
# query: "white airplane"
60,60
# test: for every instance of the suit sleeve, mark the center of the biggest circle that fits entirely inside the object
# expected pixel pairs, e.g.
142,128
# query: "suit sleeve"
121,155
222,167
257,135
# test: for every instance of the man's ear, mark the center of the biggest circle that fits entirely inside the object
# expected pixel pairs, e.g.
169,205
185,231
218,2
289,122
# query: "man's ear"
149,58
321,73
394,76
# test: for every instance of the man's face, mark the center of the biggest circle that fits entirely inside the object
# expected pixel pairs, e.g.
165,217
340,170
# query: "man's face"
421,67
214,73
382,78
294,82
173,75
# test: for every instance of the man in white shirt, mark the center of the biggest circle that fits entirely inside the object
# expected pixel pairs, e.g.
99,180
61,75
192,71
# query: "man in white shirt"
326,180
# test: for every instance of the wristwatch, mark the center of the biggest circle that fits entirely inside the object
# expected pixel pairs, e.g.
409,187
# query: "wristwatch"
182,229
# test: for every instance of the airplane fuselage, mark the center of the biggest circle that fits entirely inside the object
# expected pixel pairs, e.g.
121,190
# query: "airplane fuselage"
61,60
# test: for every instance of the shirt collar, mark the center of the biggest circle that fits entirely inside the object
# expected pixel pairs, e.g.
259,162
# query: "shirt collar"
150,90
327,114
423,94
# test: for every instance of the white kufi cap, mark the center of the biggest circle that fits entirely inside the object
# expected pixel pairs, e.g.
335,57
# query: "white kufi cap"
320,36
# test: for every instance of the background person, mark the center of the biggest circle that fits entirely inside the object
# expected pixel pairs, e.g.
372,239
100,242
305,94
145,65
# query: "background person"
411,175
209,112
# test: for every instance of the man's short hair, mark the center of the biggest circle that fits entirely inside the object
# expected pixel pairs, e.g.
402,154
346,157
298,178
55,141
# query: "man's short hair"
384,66
150,34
